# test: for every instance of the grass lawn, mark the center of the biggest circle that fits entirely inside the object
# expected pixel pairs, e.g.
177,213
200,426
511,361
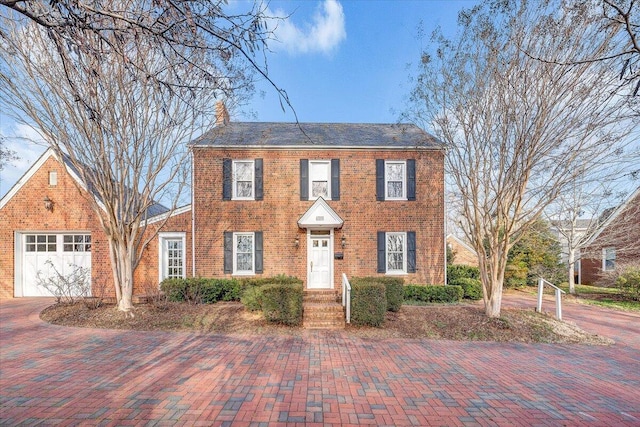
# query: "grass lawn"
605,297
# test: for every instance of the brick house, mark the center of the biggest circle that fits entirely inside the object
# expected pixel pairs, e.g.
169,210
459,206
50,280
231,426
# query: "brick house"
615,244
464,254
316,200
309,200
46,215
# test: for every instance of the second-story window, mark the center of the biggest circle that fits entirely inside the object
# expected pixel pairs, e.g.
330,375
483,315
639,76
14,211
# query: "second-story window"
320,179
395,180
243,179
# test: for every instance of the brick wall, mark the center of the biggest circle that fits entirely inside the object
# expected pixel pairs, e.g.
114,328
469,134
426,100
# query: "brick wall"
277,214
25,211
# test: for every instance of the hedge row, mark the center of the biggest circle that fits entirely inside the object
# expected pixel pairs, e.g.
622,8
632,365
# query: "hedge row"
459,271
427,293
368,303
472,288
282,303
394,289
197,290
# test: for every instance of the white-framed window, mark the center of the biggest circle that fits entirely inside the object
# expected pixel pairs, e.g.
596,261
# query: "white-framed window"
244,253
396,253
172,256
608,259
40,242
76,243
319,179
53,178
243,180
395,180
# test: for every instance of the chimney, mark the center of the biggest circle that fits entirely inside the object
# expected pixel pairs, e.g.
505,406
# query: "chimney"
222,115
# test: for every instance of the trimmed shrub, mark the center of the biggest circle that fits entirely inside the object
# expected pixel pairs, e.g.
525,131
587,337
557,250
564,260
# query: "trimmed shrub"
252,298
279,279
368,303
459,271
430,293
629,282
394,289
472,288
282,303
196,290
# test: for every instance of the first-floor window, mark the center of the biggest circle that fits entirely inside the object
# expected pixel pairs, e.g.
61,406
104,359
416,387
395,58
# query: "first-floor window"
243,253
172,256
396,252
609,259
40,242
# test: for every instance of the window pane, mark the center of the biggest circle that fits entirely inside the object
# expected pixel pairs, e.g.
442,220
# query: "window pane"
42,239
244,188
42,247
394,189
245,244
394,243
31,247
319,189
245,262
31,238
68,239
244,171
395,172
394,261
68,247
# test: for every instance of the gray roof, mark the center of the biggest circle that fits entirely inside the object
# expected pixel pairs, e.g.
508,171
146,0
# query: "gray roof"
356,135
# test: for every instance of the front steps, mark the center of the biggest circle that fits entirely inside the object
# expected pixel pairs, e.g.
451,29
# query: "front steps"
321,310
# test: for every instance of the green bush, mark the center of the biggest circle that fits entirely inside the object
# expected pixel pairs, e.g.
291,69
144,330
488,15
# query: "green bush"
629,282
282,303
368,303
279,279
472,288
252,298
430,293
196,290
394,289
459,271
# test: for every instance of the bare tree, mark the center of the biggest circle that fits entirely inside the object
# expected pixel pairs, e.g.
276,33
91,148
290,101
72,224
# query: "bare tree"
7,155
118,96
518,130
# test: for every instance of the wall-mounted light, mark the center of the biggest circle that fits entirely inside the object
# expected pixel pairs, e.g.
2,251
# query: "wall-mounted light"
296,242
48,204
344,241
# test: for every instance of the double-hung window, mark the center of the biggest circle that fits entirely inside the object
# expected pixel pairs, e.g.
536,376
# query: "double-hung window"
395,180
396,252
243,253
243,179
608,259
320,179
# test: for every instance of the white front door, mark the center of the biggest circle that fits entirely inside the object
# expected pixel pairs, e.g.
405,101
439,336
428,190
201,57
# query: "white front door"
319,258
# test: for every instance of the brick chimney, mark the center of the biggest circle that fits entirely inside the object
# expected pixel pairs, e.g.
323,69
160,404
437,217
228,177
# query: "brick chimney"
222,115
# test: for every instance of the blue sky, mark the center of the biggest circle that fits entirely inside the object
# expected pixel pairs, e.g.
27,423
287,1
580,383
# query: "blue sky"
339,61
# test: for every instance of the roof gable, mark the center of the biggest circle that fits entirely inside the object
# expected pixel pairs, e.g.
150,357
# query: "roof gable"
315,135
320,216
614,215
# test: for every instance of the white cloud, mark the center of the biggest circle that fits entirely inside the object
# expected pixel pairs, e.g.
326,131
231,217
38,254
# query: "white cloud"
324,34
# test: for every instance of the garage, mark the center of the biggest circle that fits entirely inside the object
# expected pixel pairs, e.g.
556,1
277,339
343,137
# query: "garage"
66,251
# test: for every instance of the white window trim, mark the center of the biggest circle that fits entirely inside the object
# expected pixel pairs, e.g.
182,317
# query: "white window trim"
162,255
252,272
234,190
404,252
604,259
328,164
404,180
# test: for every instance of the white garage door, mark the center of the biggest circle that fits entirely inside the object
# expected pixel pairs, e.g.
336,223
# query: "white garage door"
64,250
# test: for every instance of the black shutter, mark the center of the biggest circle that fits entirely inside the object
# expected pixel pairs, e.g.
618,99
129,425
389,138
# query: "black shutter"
382,249
411,179
259,193
411,251
379,179
304,179
228,252
335,179
226,179
258,252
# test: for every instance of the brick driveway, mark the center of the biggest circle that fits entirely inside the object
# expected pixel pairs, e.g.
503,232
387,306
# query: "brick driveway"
68,376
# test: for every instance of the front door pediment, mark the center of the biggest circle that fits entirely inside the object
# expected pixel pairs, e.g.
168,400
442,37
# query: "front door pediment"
320,216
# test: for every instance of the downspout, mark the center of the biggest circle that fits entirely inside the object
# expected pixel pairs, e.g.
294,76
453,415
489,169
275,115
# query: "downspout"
444,207
193,221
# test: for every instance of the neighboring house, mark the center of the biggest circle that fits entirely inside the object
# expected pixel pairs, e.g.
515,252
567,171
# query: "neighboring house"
307,200
616,243
46,216
565,231
464,254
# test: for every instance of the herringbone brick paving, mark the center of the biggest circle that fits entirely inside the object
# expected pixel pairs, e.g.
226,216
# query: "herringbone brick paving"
52,375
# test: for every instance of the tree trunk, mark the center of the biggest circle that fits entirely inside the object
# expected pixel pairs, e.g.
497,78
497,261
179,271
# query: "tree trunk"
492,277
122,268
572,272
